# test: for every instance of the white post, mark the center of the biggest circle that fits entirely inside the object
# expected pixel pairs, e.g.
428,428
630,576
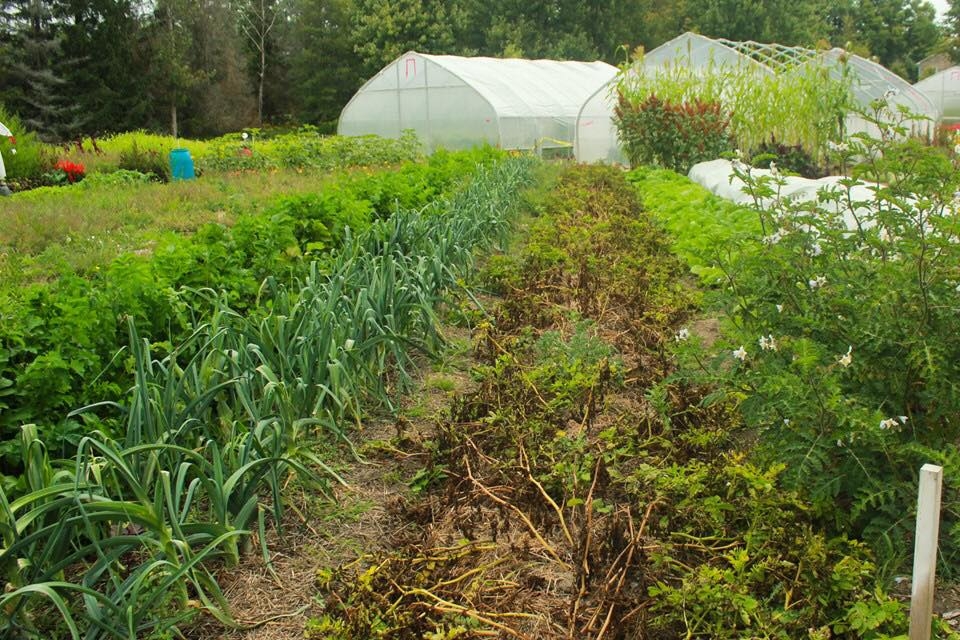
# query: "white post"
925,551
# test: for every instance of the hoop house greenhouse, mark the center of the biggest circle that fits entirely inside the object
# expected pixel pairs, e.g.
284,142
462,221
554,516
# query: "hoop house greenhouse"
698,59
458,102
943,89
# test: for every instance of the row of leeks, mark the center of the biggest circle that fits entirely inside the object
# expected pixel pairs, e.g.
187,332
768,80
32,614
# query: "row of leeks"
117,542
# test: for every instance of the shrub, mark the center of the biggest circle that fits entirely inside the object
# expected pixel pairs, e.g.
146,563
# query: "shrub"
26,159
147,161
670,134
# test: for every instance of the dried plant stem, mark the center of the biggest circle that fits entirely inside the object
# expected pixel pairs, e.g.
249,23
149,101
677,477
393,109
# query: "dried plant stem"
445,606
520,514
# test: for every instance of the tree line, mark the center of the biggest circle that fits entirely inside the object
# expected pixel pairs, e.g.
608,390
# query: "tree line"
202,67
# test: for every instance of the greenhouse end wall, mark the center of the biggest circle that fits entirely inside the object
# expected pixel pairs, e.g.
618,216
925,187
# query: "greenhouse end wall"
943,90
596,137
441,109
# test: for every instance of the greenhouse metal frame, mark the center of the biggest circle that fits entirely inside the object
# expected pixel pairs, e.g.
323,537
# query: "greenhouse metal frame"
459,102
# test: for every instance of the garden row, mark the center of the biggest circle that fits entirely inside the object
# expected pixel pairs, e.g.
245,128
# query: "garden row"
116,542
839,312
838,343
587,489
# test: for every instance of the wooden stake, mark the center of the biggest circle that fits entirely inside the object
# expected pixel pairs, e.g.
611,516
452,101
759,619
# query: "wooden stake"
925,551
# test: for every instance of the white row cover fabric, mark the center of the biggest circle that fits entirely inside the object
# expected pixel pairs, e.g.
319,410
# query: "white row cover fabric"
943,90
718,177
459,102
596,136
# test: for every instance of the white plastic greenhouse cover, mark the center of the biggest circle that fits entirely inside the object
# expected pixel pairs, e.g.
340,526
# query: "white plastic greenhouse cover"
873,81
698,50
596,135
458,102
943,90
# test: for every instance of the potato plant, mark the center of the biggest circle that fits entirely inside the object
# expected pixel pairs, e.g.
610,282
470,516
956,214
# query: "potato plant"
839,346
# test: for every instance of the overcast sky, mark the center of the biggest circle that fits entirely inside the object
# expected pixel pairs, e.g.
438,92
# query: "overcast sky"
940,5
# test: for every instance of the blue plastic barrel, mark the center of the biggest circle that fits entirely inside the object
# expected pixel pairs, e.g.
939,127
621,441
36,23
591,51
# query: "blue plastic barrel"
181,165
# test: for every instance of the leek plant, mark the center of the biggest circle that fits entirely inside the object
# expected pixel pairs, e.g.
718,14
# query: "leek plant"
117,542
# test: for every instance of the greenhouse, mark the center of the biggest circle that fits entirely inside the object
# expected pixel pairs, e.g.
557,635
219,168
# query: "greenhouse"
699,56
457,102
943,90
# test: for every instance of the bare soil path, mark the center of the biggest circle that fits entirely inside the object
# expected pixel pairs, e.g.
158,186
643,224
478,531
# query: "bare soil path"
318,534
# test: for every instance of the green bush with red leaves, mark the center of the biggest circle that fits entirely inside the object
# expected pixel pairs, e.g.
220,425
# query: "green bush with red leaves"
672,134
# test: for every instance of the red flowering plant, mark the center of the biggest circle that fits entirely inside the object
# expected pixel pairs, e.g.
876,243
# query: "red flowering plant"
67,171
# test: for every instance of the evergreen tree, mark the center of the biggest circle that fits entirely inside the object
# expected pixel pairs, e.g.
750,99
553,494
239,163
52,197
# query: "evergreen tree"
32,80
106,39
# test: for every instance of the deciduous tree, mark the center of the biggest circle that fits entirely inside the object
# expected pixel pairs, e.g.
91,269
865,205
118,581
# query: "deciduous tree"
258,20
